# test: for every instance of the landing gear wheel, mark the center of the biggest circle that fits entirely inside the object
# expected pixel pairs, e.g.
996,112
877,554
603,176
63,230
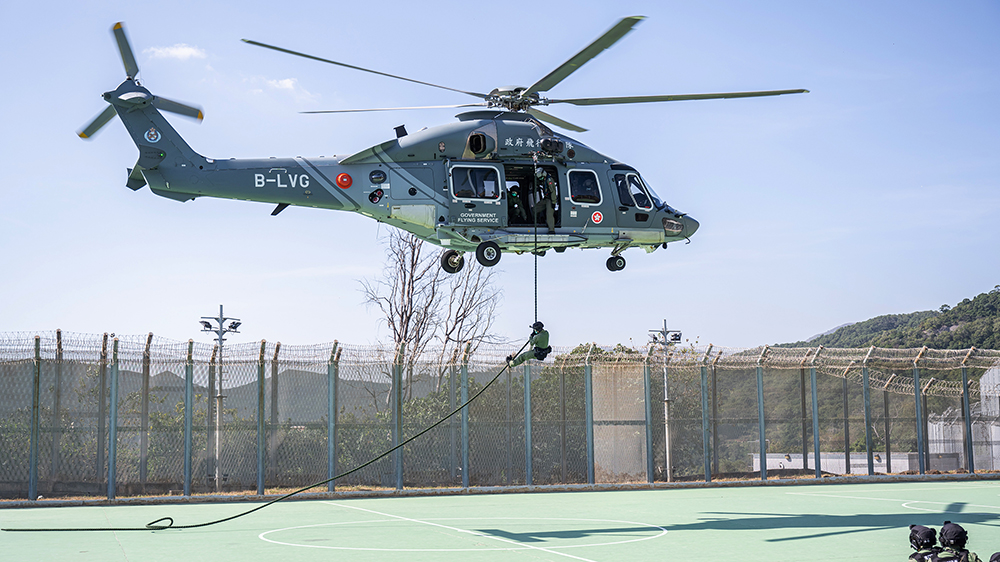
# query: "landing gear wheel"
616,263
488,254
452,261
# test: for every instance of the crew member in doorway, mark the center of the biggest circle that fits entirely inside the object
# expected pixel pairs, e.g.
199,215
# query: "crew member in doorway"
547,196
540,348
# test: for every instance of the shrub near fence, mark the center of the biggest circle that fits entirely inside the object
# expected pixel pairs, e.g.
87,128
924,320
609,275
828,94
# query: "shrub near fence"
74,407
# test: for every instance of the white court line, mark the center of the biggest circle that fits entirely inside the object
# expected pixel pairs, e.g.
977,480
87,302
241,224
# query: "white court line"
903,502
475,533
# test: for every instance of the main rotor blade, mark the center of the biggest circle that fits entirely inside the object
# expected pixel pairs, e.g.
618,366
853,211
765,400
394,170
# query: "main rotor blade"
541,115
98,122
128,59
680,97
609,38
320,59
177,107
398,108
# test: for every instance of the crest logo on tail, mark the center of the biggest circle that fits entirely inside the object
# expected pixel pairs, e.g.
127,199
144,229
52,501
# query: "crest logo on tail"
152,135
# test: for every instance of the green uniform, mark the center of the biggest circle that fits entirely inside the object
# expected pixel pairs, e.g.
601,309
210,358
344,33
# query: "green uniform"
954,555
540,346
925,554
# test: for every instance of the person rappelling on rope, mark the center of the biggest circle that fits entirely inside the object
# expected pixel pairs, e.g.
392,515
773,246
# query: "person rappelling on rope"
540,348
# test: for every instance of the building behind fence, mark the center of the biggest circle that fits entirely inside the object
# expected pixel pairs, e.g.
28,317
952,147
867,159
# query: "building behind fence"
91,415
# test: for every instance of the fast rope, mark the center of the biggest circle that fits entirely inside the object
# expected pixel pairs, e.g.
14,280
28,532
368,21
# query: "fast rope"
165,523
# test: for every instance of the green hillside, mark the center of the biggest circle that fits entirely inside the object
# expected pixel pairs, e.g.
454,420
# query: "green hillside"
970,323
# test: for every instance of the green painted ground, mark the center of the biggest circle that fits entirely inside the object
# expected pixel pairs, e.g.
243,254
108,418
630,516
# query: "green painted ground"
815,522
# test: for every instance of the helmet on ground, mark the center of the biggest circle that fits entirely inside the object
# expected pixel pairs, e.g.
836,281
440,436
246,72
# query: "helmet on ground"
537,326
953,535
922,537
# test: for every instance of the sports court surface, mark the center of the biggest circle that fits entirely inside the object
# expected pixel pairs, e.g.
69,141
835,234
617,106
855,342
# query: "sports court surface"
801,522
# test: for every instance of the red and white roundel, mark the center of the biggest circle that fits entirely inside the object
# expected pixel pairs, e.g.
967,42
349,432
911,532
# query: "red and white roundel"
597,217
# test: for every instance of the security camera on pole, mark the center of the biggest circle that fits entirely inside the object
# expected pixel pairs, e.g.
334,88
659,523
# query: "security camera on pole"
666,338
219,328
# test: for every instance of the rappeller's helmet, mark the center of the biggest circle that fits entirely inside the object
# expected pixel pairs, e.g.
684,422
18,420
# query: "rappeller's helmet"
922,537
953,535
537,326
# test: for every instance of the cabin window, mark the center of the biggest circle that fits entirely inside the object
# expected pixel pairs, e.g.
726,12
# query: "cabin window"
632,192
584,187
474,182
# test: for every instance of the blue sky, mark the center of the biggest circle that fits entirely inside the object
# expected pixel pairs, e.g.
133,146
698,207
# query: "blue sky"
876,193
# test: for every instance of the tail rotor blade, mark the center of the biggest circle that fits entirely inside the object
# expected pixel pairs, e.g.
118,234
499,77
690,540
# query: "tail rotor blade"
179,108
128,59
98,122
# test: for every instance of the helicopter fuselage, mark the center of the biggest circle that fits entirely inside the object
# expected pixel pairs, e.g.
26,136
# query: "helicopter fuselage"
458,185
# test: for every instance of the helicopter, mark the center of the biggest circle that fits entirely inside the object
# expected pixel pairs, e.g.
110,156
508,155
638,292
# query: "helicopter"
500,179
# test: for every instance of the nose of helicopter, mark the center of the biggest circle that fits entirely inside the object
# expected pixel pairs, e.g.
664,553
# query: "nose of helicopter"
690,226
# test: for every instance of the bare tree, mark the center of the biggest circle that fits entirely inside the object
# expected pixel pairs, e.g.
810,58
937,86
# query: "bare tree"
423,305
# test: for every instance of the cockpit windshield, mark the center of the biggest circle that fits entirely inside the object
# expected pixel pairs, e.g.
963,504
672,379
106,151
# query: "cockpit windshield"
634,193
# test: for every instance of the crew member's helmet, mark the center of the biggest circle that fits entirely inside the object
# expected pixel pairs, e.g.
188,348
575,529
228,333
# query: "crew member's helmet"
922,537
953,535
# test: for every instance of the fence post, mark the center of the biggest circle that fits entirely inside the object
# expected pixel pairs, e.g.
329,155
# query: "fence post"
868,411
144,415
272,439
333,380
35,421
102,408
706,452
56,418
261,444
528,480
815,413
465,415
647,397
760,413
397,412
966,413
113,425
919,411
885,406
188,415
588,407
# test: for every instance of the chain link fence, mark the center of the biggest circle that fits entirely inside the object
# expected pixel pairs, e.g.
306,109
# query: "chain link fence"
94,415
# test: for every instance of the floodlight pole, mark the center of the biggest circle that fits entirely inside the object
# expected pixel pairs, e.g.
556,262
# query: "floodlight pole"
668,339
219,330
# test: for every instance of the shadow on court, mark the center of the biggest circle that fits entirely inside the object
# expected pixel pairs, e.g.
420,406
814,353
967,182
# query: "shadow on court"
834,525
542,536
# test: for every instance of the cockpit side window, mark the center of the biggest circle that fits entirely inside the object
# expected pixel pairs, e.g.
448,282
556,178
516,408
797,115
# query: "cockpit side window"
632,192
469,182
584,187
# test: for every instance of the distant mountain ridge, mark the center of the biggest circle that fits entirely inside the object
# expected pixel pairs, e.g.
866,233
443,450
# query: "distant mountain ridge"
970,323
